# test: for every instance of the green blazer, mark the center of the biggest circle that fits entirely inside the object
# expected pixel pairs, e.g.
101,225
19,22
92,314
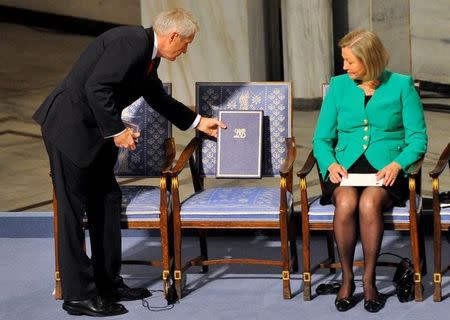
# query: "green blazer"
390,128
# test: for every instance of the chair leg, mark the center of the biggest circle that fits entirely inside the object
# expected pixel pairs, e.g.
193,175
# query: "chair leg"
293,243
58,287
437,276
418,290
330,247
306,259
177,276
285,256
203,249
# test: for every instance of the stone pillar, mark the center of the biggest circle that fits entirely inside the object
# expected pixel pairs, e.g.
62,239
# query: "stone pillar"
389,19
307,49
430,42
230,45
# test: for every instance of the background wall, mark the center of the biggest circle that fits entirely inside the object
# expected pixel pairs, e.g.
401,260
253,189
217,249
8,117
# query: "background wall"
117,11
292,40
228,47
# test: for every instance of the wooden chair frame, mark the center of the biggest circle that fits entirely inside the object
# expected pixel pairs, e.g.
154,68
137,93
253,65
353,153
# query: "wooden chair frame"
416,236
286,174
442,163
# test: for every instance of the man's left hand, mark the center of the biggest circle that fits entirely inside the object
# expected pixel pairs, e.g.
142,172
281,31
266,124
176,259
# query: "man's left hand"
210,126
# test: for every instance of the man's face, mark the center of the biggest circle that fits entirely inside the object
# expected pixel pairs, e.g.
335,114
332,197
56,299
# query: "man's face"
175,46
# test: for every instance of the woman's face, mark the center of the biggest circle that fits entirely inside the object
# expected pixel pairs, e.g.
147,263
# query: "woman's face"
354,67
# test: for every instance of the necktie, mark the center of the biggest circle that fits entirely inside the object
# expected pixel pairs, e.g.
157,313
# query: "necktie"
150,67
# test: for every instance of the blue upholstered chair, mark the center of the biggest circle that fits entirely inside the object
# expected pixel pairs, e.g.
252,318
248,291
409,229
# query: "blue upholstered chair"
243,206
317,217
441,219
143,206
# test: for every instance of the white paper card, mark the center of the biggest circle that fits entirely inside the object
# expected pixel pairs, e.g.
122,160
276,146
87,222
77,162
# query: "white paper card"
361,180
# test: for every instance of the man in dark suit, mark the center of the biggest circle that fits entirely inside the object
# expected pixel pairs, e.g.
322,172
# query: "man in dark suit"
82,130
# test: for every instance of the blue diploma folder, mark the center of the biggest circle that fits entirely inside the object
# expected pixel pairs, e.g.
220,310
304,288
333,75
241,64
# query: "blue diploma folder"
239,149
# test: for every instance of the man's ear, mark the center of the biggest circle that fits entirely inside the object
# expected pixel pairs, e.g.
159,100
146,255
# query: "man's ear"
173,35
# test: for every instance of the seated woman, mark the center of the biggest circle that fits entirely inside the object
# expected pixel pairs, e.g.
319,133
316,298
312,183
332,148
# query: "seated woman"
371,121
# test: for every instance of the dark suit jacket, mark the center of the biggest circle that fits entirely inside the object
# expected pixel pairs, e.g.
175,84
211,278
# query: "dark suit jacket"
110,74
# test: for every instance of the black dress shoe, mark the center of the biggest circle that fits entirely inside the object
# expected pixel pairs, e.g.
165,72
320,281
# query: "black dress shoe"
346,303
94,307
125,293
374,305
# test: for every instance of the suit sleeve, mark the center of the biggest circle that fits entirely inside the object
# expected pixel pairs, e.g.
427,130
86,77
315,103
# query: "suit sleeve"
119,58
415,127
325,134
176,112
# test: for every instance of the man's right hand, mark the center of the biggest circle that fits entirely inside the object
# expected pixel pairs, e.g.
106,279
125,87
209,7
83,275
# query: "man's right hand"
127,139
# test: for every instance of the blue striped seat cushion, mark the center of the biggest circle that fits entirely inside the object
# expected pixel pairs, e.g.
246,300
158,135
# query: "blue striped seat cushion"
140,203
234,204
445,214
319,213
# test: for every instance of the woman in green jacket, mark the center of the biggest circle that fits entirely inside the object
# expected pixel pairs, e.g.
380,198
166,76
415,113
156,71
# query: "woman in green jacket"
371,121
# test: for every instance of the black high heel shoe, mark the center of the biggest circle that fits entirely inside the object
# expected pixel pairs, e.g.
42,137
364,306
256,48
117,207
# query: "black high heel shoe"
345,303
374,305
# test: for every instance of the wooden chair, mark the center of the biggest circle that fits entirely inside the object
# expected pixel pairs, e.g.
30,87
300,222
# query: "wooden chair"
317,217
239,207
143,206
441,218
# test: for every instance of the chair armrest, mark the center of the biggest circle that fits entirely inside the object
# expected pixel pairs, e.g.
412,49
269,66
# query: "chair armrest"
288,163
170,154
307,167
184,157
442,163
414,169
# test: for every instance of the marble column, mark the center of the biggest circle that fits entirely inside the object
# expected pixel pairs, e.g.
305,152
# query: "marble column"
230,45
430,40
389,19
307,49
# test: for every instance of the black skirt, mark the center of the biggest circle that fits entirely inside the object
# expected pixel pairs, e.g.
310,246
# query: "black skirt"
399,192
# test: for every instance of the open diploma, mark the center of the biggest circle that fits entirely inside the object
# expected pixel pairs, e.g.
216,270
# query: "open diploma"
239,148
361,180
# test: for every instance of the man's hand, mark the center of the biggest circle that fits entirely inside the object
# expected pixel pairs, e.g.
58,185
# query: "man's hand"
210,126
389,173
127,139
337,172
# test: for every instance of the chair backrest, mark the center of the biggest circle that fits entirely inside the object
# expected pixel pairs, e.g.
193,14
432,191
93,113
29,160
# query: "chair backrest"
274,98
148,158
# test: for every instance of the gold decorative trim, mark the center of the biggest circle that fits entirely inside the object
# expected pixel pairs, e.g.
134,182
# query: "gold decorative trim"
175,182
285,275
165,274
437,278
435,184
283,183
306,276
162,183
303,183
412,184
177,275
57,276
417,277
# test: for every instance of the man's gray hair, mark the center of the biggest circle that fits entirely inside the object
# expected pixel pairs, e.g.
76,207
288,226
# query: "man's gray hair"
179,20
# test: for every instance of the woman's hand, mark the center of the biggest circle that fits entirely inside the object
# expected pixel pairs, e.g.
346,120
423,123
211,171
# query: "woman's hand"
127,139
336,172
389,173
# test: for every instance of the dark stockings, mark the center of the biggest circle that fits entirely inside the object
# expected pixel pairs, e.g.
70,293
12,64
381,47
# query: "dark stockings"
369,204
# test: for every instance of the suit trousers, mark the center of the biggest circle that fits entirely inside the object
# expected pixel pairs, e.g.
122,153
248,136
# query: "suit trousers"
91,191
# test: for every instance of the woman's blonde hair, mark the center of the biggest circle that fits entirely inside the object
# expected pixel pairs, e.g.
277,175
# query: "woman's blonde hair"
179,20
367,47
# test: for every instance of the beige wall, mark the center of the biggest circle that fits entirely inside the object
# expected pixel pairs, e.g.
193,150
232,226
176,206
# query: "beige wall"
115,11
